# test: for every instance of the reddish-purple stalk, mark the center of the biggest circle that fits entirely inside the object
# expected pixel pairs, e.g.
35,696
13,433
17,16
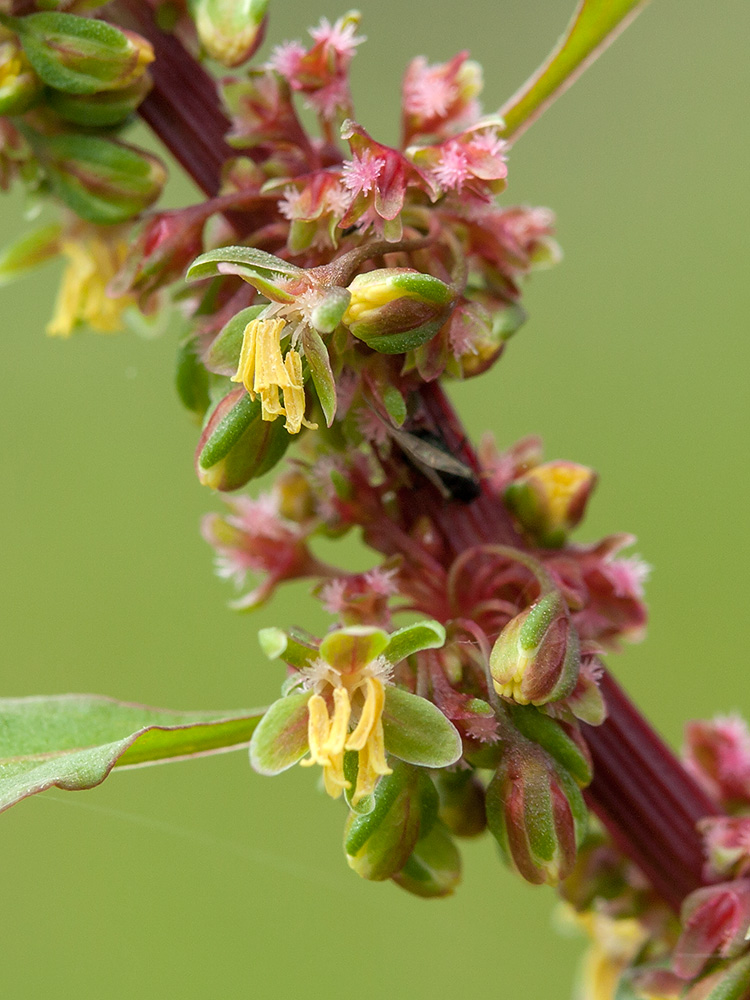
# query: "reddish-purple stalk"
641,793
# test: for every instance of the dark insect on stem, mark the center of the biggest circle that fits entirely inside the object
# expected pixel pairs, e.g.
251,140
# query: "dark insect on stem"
429,453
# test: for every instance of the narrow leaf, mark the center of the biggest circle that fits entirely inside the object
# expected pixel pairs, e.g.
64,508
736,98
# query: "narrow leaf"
595,25
73,741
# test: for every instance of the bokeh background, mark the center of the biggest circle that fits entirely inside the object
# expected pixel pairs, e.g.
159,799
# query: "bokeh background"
205,880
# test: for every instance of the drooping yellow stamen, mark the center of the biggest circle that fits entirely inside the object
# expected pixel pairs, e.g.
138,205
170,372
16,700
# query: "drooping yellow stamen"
340,722
318,727
371,712
83,299
294,395
333,776
263,371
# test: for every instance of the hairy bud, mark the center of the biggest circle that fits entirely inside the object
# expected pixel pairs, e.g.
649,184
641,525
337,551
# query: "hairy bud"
536,657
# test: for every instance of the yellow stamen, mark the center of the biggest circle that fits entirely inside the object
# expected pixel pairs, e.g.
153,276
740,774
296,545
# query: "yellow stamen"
367,777
371,712
294,395
340,723
83,295
333,776
318,728
246,367
376,749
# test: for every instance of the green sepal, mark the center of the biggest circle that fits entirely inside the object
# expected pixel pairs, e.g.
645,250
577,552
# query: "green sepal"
191,378
378,844
429,804
433,869
280,739
80,55
400,343
319,363
230,428
550,735
29,252
101,180
412,639
348,649
280,645
416,731
229,30
327,315
223,355
260,269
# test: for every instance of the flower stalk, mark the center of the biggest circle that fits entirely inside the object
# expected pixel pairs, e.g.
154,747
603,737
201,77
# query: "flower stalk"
643,795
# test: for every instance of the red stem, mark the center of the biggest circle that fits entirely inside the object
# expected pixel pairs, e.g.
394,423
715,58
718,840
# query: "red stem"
640,791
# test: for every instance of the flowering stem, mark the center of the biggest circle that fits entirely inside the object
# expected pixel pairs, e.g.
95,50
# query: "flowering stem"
641,793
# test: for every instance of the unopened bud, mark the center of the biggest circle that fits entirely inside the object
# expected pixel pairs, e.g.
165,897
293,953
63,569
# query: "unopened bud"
19,85
82,55
537,815
101,180
477,335
394,310
100,110
237,445
715,922
230,30
550,499
461,802
434,868
378,844
564,743
536,657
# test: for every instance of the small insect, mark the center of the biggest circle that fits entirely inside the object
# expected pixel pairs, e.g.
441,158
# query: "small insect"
429,453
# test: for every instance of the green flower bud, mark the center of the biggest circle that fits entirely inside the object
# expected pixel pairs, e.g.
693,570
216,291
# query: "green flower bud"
237,445
730,982
82,55
378,844
101,180
550,499
230,30
536,658
19,85
101,110
565,744
434,867
394,310
537,815
461,802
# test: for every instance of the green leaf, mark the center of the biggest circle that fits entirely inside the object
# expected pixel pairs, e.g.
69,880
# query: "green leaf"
595,25
73,741
281,737
413,638
417,732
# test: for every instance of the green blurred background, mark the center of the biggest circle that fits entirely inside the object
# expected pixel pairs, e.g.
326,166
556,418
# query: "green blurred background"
205,880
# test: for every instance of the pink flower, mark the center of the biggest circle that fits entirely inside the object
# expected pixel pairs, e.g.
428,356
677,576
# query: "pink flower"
717,753
377,177
436,97
254,538
727,843
472,163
